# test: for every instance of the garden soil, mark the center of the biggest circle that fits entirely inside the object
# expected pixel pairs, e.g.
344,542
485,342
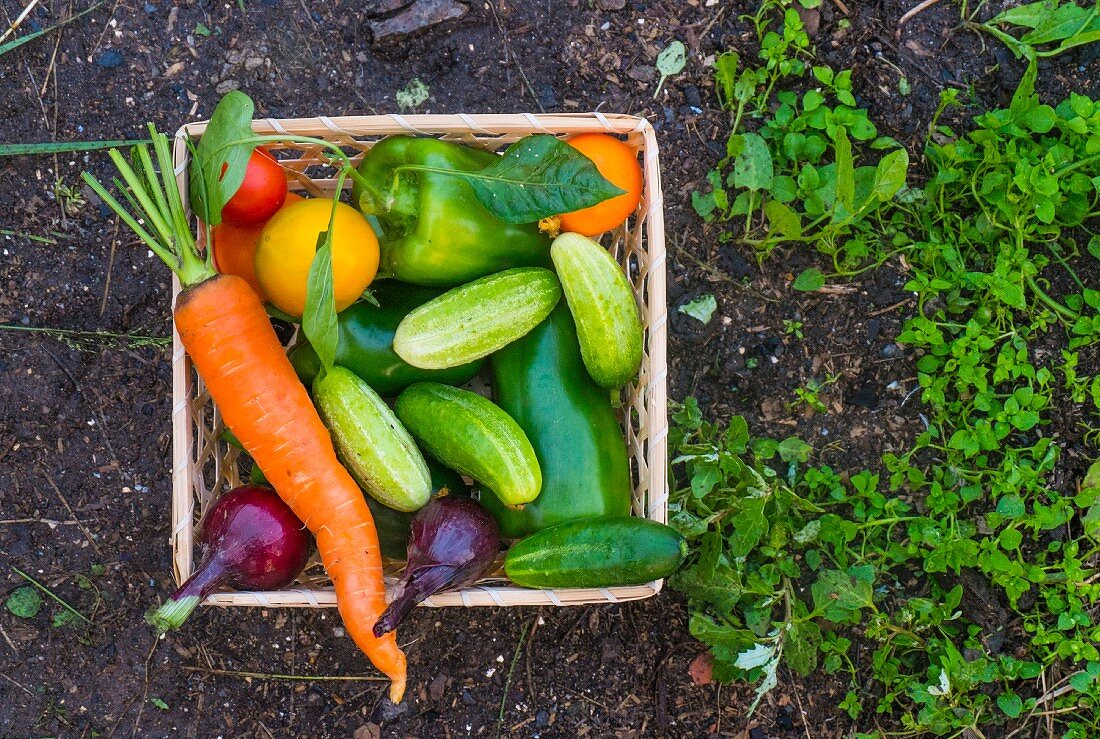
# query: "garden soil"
85,448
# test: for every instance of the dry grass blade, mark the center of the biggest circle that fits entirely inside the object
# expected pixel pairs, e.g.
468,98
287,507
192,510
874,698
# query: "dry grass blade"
277,676
19,19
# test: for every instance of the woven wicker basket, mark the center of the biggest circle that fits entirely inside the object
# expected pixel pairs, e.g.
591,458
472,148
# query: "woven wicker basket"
204,465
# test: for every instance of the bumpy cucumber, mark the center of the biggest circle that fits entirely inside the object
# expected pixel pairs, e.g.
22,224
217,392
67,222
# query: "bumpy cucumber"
596,553
370,441
602,303
474,320
468,433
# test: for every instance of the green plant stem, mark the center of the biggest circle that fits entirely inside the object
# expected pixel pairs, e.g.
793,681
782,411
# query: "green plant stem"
1063,312
334,148
50,593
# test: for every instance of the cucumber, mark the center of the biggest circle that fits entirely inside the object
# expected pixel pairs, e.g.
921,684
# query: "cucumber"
474,320
602,303
540,381
596,553
468,433
393,526
365,342
370,441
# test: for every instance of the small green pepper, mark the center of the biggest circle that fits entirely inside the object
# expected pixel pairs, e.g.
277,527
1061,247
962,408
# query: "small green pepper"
434,230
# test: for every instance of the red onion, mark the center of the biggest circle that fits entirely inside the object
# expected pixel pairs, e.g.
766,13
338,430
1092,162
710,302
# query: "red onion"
251,540
453,542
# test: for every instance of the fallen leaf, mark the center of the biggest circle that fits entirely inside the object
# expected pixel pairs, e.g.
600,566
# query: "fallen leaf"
701,669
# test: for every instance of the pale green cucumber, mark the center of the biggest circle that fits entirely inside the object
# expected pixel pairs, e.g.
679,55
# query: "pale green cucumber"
603,307
470,434
373,445
474,320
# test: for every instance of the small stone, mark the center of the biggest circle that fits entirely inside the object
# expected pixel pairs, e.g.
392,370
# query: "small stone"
467,698
611,4
547,98
542,718
252,62
874,326
891,351
419,16
150,8
642,73
109,60
388,710
693,98
227,85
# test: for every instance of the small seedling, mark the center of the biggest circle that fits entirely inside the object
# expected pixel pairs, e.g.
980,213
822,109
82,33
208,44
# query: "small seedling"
669,62
701,308
415,94
792,327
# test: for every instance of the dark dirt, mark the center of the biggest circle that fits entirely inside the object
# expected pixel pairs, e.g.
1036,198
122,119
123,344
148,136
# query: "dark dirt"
84,434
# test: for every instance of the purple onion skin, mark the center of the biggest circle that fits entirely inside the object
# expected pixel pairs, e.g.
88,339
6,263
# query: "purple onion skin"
453,542
250,540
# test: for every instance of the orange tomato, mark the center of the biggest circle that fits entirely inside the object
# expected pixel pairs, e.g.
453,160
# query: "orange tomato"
619,164
235,249
289,242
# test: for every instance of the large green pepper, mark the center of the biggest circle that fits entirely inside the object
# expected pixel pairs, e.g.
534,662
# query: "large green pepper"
434,230
541,382
365,343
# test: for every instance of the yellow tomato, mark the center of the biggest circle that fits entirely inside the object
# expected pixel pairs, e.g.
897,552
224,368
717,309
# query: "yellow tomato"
289,241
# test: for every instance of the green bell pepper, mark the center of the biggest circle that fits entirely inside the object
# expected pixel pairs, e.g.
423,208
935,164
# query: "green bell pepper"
434,230
365,344
541,382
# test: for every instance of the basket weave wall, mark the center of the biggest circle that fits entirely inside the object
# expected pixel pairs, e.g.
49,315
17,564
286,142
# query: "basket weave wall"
204,466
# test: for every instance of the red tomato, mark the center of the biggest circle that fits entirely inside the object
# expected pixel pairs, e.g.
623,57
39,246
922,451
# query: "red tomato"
235,249
260,195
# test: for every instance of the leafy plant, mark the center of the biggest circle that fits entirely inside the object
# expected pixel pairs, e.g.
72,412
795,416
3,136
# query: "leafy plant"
796,178
794,565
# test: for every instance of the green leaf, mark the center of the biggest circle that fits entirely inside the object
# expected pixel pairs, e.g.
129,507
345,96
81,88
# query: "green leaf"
538,176
840,595
793,449
784,221
810,280
319,320
415,93
753,168
801,646
159,703
1011,704
725,77
24,602
701,309
669,62
890,175
224,147
749,527
1010,506
672,59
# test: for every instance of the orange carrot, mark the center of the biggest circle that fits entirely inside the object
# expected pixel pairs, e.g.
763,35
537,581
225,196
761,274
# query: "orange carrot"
229,337
225,330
